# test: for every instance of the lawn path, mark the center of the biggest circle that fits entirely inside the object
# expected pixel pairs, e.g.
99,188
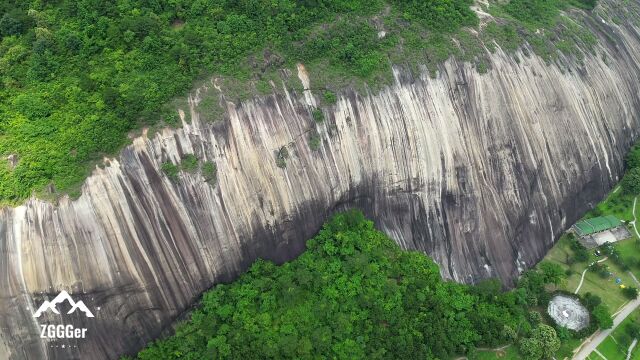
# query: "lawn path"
600,354
634,217
633,345
584,272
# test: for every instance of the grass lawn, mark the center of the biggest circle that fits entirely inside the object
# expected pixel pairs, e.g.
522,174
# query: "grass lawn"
620,205
617,203
617,344
630,252
508,353
567,347
606,288
609,348
559,254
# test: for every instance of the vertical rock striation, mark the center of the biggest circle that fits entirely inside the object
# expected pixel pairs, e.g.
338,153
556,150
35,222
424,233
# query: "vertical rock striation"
481,172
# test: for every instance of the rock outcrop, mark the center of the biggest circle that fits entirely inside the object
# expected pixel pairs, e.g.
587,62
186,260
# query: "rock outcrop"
479,171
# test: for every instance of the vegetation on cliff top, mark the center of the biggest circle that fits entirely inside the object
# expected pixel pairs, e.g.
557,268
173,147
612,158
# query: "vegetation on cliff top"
78,75
354,294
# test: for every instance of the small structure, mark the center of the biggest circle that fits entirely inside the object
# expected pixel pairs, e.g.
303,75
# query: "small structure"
597,231
567,311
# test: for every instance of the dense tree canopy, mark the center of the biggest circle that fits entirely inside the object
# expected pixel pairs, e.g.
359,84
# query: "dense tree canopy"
541,344
77,75
631,181
354,294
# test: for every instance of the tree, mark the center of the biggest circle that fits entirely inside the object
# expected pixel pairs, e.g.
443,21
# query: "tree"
630,292
552,272
10,25
633,329
488,288
580,252
353,294
541,344
509,334
602,317
534,317
631,181
591,300
632,160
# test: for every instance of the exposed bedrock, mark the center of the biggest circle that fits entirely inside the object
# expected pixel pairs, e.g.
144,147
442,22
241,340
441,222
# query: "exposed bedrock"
481,172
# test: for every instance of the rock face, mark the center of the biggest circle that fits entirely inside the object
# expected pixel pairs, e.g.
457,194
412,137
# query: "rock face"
481,172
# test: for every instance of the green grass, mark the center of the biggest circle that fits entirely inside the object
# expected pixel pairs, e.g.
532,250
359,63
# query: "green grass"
509,353
567,348
610,349
615,346
606,289
620,205
617,203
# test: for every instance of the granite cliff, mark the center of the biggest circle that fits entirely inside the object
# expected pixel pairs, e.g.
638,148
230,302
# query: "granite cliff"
482,172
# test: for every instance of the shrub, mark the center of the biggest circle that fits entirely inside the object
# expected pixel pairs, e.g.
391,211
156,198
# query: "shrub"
439,15
535,12
151,62
171,170
569,272
314,140
281,157
317,115
209,171
189,163
330,97
171,118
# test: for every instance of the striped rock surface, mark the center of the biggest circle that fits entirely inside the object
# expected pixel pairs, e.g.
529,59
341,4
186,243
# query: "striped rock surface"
482,172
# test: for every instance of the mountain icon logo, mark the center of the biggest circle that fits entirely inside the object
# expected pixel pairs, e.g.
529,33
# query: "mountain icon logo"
62,297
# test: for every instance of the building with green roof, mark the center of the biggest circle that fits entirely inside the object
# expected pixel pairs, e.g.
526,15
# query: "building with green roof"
596,225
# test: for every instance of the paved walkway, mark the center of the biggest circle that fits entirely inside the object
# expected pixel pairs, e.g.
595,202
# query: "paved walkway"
634,217
631,347
591,344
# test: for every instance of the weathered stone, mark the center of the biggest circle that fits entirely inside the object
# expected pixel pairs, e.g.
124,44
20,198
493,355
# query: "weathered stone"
481,172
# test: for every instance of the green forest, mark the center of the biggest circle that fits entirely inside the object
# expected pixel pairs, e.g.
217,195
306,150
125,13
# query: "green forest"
79,75
354,294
